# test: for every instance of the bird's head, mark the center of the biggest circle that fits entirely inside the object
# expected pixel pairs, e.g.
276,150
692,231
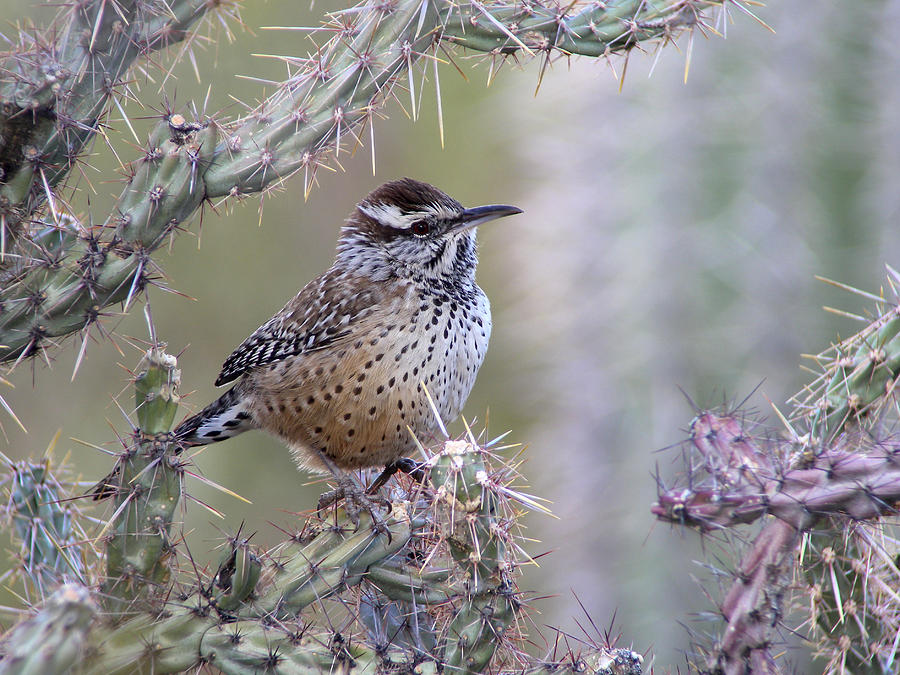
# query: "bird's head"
412,229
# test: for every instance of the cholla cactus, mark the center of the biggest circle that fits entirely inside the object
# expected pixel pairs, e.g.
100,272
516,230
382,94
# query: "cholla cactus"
436,591
45,526
826,493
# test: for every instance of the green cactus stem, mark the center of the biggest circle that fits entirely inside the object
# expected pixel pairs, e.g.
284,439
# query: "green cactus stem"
476,540
855,620
262,604
56,87
58,299
434,592
43,523
52,640
595,29
148,490
250,615
864,372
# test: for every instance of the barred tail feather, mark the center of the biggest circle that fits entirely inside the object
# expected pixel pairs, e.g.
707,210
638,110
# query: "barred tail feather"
224,418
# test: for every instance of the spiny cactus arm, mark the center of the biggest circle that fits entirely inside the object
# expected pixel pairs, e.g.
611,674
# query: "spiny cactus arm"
245,649
66,285
735,465
347,80
55,88
837,474
754,605
862,482
853,619
858,378
476,542
250,647
319,109
259,624
849,562
598,29
149,477
200,628
44,525
404,584
59,297
332,561
52,640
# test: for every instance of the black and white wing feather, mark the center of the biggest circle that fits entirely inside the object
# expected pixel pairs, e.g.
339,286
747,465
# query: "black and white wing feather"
326,312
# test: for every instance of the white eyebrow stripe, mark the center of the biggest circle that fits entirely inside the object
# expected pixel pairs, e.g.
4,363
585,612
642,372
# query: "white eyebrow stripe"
389,214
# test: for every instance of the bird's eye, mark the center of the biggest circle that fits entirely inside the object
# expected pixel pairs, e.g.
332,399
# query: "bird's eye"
420,227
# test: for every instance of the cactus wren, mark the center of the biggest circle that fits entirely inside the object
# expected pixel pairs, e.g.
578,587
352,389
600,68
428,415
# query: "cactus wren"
339,374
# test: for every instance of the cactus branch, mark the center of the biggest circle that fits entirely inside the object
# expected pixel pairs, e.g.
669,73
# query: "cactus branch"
434,592
46,528
149,474
836,480
56,86
824,492
598,29
52,640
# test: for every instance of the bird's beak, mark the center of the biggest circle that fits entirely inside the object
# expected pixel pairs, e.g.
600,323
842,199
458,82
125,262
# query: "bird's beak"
481,214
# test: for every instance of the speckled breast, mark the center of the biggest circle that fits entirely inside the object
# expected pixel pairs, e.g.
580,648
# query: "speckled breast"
358,402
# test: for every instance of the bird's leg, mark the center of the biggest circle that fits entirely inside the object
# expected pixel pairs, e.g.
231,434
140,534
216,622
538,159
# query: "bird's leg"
414,469
353,494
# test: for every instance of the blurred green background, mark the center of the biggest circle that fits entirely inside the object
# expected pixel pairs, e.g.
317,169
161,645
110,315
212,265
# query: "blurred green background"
671,237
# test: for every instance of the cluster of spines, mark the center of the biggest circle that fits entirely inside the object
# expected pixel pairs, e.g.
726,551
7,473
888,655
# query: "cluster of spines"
858,374
853,613
314,114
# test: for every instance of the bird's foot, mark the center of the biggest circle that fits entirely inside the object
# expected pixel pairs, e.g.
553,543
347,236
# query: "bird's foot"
356,501
414,469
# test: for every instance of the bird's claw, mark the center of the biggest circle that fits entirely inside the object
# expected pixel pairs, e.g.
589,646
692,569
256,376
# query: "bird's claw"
414,469
356,501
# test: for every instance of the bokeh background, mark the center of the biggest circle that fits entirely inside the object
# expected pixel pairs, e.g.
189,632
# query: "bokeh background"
672,234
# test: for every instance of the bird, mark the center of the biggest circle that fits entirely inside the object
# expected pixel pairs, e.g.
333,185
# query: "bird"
343,373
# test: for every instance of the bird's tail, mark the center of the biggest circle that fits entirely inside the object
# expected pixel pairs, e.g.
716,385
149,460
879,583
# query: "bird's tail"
225,417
